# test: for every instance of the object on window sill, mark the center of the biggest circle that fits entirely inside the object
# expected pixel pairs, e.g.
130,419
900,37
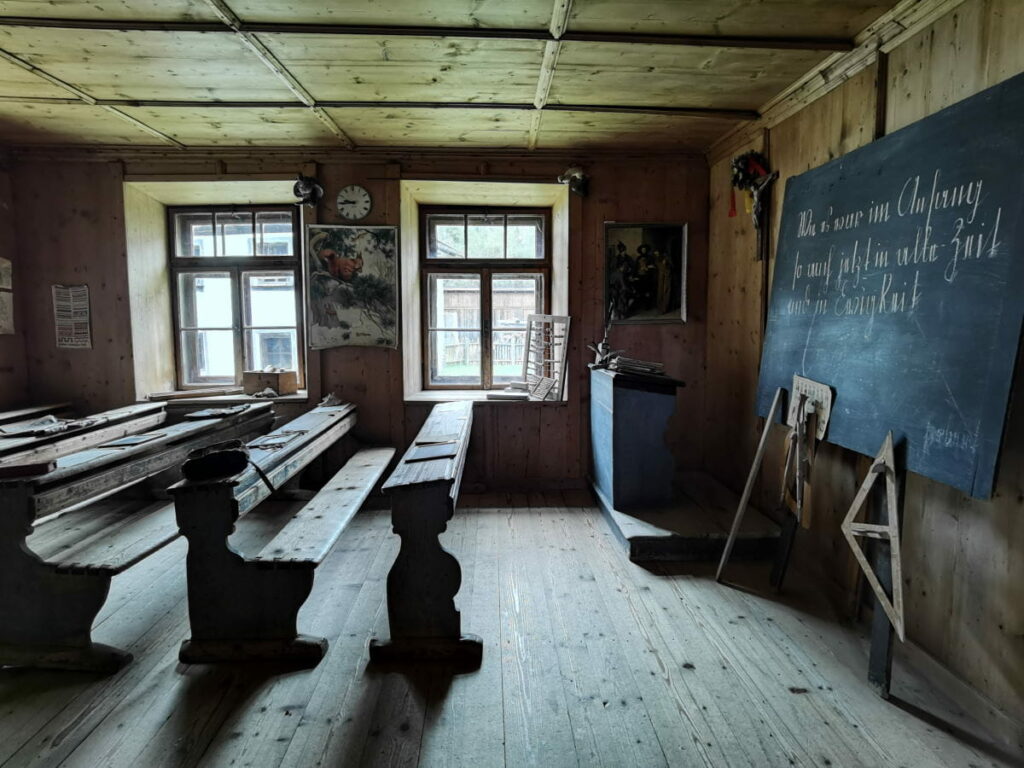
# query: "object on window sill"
181,394
508,394
268,392
281,381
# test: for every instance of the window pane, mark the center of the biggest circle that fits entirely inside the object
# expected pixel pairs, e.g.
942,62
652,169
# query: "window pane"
208,357
274,234
204,300
268,298
446,236
234,234
454,301
486,237
509,349
513,297
271,346
193,234
455,357
525,237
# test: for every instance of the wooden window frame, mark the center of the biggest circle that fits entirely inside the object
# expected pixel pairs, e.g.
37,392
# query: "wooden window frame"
235,266
486,268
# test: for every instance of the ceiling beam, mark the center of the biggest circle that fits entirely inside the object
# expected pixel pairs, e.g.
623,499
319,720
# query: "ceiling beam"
238,26
552,48
264,54
628,109
81,97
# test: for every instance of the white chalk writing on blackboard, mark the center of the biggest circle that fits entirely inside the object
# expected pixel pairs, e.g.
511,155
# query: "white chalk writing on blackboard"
868,273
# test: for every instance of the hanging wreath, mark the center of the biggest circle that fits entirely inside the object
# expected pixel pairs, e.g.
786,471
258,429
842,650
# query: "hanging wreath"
747,170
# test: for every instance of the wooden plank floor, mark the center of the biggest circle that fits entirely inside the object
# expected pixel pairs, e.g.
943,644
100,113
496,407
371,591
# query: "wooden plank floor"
589,660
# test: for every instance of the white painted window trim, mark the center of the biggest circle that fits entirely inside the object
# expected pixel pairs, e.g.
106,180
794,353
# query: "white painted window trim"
415,193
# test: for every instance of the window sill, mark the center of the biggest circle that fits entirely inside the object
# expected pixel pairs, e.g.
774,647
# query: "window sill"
301,396
476,395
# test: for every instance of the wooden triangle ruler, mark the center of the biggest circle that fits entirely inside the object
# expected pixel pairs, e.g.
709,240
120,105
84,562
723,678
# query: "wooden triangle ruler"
884,464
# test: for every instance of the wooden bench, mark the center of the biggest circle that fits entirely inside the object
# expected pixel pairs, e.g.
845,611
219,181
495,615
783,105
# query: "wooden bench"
54,579
425,577
245,608
28,450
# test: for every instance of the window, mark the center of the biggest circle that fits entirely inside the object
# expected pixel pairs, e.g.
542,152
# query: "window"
483,271
235,279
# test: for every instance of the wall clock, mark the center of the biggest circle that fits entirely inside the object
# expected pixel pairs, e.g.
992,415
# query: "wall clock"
353,202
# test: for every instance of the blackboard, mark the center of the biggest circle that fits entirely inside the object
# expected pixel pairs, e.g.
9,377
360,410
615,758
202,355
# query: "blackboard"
899,282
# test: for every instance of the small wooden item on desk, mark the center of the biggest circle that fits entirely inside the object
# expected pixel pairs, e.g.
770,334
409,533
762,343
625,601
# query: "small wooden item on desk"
425,577
282,382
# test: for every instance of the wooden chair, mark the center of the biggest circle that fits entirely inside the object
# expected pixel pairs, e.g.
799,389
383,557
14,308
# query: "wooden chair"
244,608
425,577
54,582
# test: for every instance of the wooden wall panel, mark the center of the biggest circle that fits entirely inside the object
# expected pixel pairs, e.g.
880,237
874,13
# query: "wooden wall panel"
543,445
670,190
963,558
12,347
70,230
735,308
152,327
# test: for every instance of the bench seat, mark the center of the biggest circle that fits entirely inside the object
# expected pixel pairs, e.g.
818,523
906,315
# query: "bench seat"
312,532
106,537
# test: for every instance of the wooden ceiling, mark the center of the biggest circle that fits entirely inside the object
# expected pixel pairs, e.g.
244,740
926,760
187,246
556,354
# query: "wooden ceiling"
509,74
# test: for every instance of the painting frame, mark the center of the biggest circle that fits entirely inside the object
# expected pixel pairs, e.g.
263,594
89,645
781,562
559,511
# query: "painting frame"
634,296
351,286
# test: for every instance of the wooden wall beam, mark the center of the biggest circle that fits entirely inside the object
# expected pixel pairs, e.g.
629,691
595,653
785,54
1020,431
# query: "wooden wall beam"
766,42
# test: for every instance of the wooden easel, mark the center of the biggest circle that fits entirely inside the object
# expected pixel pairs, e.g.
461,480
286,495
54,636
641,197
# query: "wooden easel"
886,577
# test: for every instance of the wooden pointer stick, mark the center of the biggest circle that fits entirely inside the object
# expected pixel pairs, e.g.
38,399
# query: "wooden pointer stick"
749,487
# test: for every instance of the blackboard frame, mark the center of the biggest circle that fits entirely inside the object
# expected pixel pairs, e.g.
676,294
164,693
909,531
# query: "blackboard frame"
923,342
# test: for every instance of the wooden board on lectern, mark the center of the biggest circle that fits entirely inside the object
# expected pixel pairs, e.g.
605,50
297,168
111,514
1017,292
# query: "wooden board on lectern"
899,282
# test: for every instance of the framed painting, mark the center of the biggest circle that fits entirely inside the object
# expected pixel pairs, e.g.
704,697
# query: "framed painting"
351,286
645,272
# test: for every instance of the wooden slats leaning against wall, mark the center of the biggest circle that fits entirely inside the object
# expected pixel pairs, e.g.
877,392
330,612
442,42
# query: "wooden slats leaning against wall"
48,606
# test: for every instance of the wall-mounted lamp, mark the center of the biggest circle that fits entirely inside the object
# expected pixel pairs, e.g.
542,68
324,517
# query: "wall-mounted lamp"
576,179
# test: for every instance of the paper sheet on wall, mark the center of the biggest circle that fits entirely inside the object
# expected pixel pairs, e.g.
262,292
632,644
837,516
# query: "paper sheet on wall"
71,316
6,312
6,297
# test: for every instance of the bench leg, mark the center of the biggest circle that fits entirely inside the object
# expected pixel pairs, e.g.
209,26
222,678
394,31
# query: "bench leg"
242,611
48,616
422,585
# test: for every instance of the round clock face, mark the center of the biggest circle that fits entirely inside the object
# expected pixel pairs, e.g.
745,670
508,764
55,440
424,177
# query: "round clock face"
353,202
